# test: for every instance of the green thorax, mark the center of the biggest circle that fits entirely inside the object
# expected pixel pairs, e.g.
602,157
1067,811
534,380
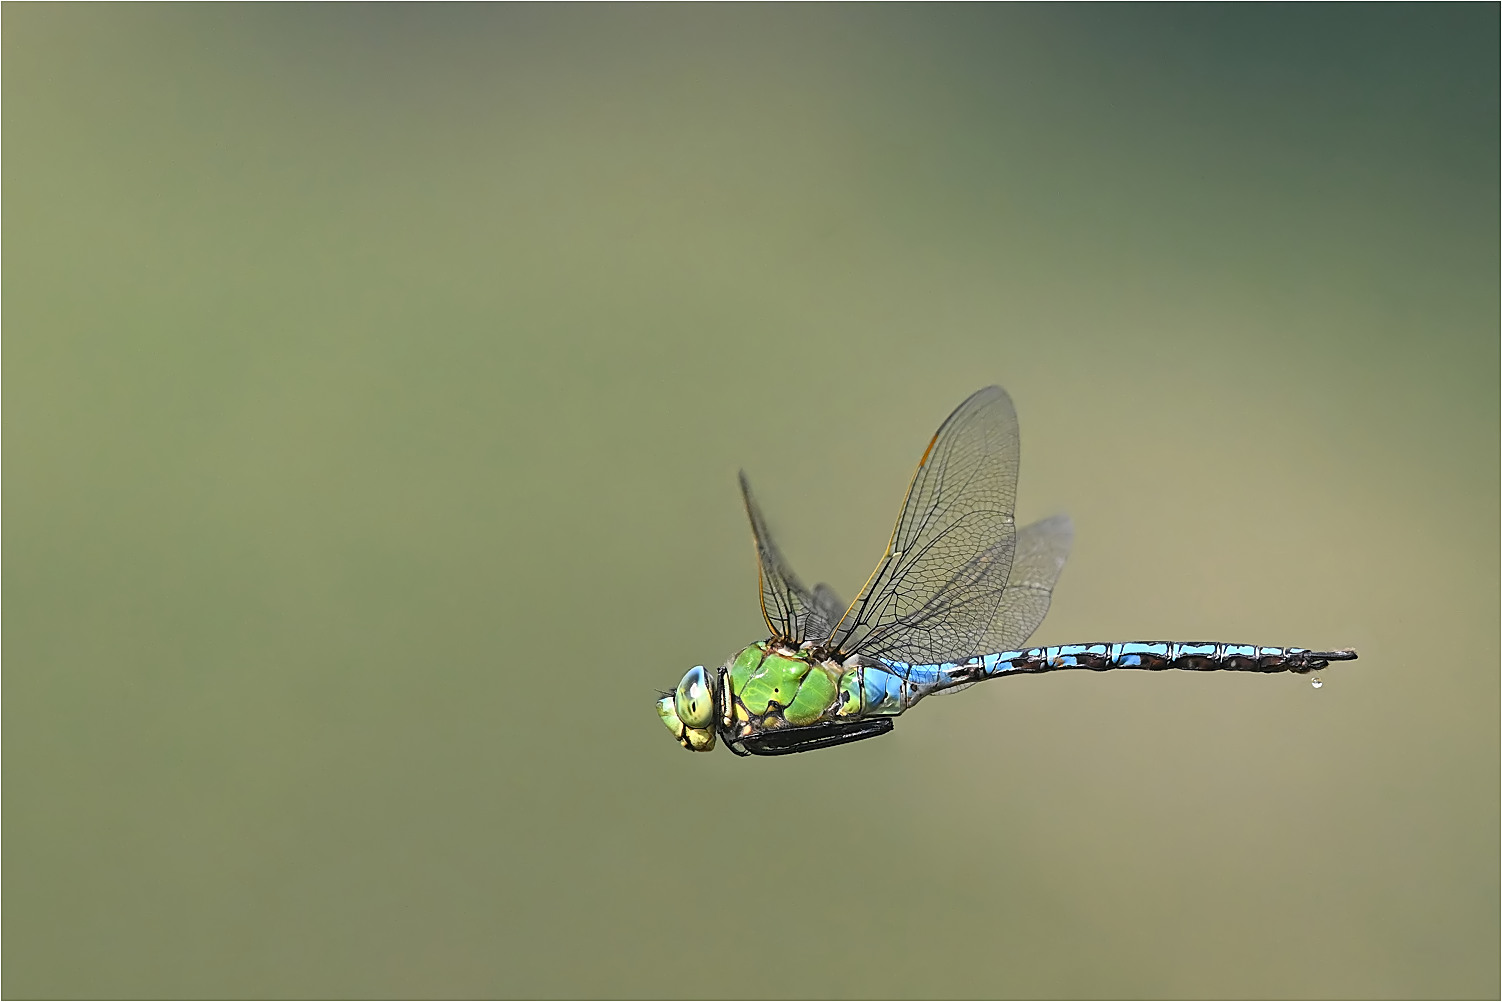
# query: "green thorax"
773,686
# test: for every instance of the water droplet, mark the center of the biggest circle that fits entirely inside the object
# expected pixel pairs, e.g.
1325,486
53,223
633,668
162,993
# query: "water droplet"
1316,681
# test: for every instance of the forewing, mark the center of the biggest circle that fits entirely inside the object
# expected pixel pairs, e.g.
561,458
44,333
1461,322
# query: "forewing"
936,590
786,605
1041,550
827,610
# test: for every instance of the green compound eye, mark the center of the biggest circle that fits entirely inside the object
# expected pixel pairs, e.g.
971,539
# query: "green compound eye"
694,701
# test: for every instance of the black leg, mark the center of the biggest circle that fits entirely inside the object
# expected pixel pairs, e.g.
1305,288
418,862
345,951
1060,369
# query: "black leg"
801,739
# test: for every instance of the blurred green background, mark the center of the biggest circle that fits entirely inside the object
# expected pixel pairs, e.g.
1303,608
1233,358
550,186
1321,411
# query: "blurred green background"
375,382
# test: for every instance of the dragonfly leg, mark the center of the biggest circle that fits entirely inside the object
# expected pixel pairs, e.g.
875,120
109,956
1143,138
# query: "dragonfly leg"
826,735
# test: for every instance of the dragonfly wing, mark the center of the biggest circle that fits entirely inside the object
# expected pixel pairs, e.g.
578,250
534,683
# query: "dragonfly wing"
789,609
1042,548
826,612
936,590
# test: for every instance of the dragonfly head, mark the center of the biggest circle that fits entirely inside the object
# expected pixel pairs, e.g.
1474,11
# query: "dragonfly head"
689,713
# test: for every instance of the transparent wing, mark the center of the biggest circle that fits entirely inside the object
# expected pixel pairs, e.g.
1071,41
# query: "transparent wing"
826,612
1039,557
791,613
936,590
1042,548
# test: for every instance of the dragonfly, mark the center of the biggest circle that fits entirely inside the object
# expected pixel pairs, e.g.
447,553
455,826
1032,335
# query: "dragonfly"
951,602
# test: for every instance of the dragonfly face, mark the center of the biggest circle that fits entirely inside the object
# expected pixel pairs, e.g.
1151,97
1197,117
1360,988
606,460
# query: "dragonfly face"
689,713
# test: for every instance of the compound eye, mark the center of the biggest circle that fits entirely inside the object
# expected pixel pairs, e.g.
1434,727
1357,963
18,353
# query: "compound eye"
694,701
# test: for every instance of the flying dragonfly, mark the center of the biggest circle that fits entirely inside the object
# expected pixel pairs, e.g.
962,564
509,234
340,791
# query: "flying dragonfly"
951,602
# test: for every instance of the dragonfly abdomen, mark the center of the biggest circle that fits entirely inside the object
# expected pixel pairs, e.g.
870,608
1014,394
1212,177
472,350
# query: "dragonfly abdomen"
1149,656
1160,656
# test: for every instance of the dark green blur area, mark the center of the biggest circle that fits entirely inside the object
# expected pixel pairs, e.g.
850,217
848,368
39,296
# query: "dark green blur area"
375,380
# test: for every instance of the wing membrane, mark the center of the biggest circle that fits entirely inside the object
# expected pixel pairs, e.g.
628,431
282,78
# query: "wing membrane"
1039,557
936,590
1042,548
791,612
826,612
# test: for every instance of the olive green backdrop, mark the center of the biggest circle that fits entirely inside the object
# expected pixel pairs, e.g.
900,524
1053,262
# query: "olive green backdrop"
375,381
